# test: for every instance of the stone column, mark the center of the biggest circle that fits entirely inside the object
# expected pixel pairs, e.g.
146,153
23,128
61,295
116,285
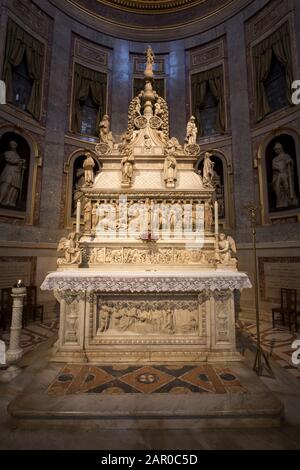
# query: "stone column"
240,123
55,128
14,351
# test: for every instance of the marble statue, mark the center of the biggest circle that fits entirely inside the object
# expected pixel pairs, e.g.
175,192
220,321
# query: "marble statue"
170,165
105,133
127,163
283,177
226,249
11,178
149,62
2,92
88,166
208,170
70,247
191,131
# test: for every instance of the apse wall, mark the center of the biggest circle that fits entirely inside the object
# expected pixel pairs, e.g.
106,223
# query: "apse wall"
227,41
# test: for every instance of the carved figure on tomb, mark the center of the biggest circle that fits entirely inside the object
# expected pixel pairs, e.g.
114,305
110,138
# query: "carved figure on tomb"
208,215
105,133
104,320
226,249
70,247
87,215
127,167
191,131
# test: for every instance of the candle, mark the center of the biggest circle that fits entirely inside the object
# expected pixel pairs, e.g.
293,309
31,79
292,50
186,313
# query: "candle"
216,219
78,214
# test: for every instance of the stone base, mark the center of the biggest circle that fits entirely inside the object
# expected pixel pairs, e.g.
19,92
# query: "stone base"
248,404
144,357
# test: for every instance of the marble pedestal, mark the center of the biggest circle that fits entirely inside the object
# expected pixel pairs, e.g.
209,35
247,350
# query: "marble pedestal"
146,316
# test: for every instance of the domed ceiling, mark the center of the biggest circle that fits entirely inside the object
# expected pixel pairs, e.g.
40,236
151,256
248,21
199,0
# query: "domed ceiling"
152,19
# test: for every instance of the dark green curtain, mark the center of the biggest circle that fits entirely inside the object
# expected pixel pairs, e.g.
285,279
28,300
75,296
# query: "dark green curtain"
279,44
214,80
88,82
18,43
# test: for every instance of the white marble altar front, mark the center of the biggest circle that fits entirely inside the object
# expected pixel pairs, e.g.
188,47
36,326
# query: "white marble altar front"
147,277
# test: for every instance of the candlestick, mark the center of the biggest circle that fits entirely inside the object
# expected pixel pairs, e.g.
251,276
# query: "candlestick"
78,214
216,219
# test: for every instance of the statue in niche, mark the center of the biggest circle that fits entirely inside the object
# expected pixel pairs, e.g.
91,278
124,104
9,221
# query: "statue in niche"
191,131
127,167
2,92
105,133
88,166
208,170
283,178
70,247
226,249
208,215
11,178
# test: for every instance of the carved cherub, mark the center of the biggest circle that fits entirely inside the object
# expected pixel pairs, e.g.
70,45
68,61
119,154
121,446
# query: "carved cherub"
226,249
70,246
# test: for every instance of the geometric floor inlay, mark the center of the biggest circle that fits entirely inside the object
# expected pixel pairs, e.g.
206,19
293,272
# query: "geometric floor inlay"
113,379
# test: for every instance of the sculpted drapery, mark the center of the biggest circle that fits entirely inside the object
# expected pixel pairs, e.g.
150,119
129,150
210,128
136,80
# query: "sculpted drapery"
18,44
279,44
88,82
214,80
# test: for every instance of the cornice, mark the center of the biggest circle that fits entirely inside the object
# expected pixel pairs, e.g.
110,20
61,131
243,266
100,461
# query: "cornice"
127,29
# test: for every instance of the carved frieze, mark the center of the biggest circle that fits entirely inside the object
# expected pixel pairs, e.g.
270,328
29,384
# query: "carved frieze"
148,317
148,256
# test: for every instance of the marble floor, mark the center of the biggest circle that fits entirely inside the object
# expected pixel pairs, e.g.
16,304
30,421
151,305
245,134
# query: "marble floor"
55,434
117,380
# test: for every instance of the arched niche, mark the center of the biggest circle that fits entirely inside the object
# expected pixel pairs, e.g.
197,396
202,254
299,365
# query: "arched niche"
278,162
20,164
223,184
75,179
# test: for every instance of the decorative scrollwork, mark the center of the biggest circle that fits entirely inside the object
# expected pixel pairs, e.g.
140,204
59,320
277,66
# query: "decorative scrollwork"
102,149
140,122
155,122
192,150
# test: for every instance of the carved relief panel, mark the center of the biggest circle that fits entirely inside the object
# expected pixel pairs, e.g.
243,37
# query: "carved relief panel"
147,319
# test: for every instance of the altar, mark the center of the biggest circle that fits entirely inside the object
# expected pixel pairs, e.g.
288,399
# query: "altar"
146,277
